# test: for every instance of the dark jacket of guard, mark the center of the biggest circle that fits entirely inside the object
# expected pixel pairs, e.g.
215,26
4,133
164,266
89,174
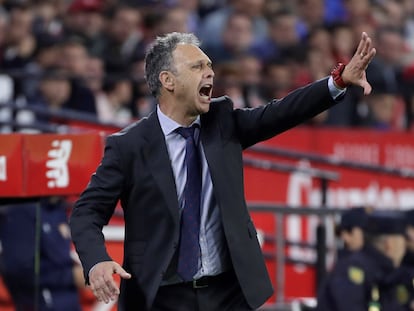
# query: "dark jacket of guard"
29,231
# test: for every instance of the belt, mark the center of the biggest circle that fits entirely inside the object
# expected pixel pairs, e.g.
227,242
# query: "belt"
206,281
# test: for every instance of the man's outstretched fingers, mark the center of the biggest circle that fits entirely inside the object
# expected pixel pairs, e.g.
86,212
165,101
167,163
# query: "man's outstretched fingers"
122,273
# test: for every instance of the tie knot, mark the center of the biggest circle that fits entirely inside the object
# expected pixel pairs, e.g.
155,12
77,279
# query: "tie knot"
187,131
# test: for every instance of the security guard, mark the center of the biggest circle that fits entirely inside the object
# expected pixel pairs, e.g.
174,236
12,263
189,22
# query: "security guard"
408,260
409,256
350,230
37,267
371,279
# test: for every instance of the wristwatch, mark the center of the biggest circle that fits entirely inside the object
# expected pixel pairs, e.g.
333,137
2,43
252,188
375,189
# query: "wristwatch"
336,74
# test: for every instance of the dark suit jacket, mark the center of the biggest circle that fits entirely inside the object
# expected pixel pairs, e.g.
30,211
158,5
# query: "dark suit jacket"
136,168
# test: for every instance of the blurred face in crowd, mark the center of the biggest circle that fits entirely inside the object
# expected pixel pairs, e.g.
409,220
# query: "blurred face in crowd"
175,20
74,59
357,8
20,25
48,56
279,79
95,73
89,23
189,5
320,39
382,107
123,91
56,91
251,69
390,47
126,22
343,41
319,63
3,29
46,11
238,35
283,30
253,8
312,12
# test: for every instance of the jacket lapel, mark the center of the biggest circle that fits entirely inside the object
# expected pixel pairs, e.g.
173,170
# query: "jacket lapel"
213,144
159,163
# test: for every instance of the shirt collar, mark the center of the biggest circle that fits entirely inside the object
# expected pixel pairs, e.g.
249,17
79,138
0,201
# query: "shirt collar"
168,125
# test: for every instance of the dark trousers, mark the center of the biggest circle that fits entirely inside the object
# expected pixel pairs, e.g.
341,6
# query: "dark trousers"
217,293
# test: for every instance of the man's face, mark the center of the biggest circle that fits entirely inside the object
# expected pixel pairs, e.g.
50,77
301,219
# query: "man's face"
410,238
193,79
396,247
354,239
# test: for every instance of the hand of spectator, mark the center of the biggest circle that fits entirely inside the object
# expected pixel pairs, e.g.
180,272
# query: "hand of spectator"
102,282
354,72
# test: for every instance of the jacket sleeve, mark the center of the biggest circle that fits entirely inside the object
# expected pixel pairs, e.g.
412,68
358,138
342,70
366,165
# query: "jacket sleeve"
279,115
95,207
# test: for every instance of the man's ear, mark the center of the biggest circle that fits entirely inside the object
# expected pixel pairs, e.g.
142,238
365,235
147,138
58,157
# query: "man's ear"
167,80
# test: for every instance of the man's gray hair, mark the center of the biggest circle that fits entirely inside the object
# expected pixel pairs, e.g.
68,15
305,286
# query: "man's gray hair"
159,57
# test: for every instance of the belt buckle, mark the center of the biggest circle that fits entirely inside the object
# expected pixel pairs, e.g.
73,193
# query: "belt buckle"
196,285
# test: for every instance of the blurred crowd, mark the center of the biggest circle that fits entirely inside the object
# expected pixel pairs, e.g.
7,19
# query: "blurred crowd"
88,55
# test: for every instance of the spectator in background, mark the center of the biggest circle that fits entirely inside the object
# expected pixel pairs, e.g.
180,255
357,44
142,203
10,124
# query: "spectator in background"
123,38
95,74
322,53
20,41
342,42
319,56
215,22
113,103
192,16
392,54
282,37
19,47
251,78
279,79
311,15
74,59
85,20
38,266
357,11
143,102
408,26
383,109
235,40
52,94
47,24
175,19
228,74
3,32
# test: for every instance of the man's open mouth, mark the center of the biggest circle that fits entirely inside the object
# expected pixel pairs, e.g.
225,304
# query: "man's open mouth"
205,91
